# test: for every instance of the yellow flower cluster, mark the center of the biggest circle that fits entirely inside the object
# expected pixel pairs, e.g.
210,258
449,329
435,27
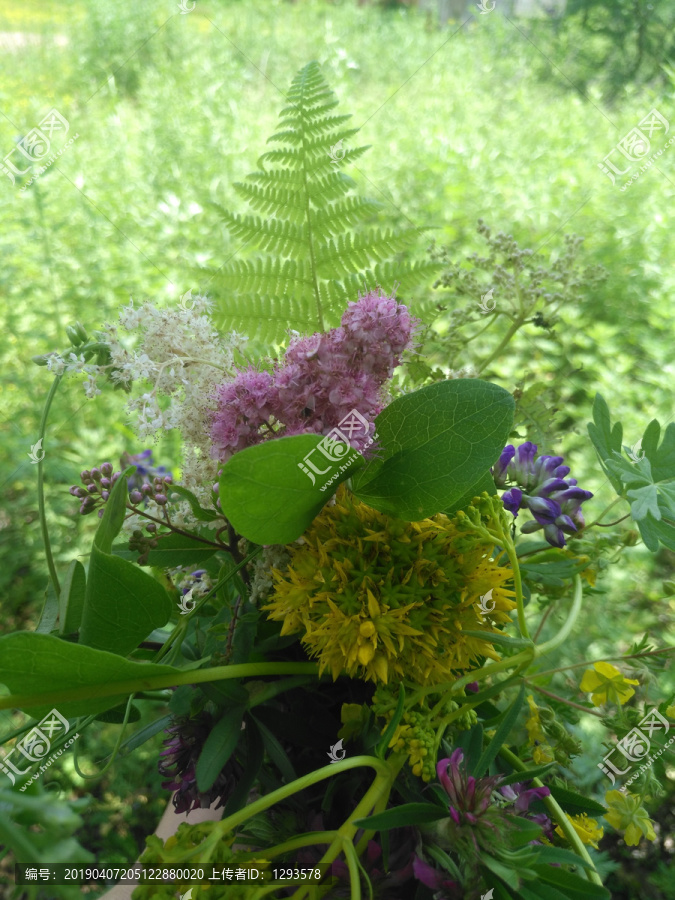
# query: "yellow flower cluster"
542,752
382,599
588,829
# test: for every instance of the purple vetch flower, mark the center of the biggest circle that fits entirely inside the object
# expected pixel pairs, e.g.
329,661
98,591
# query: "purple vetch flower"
543,488
470,798
320,380
146,470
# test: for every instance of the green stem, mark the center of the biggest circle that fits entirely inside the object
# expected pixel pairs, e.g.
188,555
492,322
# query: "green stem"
604,513
115,749
560,816
41,492
503,343
178,676
590,662
510,548
555,697
568,625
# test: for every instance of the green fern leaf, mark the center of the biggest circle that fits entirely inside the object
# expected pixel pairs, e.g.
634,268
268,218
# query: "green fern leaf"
306,210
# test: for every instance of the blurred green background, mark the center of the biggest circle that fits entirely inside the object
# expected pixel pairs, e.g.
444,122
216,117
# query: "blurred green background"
503,116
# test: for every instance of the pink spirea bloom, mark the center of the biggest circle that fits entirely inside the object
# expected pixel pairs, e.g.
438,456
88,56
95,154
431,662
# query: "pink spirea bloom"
320,380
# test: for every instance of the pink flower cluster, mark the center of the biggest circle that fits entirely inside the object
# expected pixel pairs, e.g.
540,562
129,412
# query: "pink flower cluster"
321,379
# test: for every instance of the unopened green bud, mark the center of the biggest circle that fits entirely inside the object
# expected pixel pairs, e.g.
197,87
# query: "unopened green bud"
41,359
82,331
73,336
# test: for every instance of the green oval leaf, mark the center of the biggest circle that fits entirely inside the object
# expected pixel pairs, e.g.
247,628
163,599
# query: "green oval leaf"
437,445
273,491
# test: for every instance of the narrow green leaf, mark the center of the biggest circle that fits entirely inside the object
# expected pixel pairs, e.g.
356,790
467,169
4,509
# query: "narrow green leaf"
276,752
400,816
576,888
575,803
501,734
50,611
219,747
113,513
71,601
561,856
144,734
253,757
492,637
527,775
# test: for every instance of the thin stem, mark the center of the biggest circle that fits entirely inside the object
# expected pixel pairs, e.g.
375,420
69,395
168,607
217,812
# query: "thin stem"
176,530
564,633
558,813
40,488
502,344
590,662
510,548
547,613
114,750
585,709
604,512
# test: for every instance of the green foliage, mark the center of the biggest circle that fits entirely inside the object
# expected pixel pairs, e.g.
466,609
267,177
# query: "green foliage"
123,604
437,445
316,264
32,665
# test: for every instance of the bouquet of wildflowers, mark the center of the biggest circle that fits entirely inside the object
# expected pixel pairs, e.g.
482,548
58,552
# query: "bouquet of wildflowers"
340,591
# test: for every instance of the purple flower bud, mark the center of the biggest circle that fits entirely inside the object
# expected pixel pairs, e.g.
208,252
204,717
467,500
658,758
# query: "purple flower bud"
105,494
105,482
135,497
107,469
161,499
116,476
554,535
85,475
502,464
146,489
100,513
96,474
74,491
92,488
168,479
512,500
544,511
151,527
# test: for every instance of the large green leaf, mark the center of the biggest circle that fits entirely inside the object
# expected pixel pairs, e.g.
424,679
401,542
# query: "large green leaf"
172,550
35,664
605,437
269,498
71,601
437,445
123,604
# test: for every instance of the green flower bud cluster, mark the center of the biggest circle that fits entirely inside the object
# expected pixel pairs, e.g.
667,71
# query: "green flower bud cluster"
567,746
415,734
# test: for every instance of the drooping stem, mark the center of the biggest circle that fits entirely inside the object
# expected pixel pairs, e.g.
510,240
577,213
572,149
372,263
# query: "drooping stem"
41,491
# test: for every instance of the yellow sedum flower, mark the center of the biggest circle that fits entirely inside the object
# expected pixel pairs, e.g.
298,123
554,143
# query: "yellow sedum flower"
625,814
382,599
542,752
606,684
588,829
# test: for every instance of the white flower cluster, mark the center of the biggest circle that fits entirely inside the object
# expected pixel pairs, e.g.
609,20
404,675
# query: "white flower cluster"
276,556
178,360
74,362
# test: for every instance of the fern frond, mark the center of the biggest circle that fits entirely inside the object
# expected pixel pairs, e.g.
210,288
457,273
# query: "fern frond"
306,214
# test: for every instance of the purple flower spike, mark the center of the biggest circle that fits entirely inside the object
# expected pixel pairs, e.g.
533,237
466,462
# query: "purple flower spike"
540,484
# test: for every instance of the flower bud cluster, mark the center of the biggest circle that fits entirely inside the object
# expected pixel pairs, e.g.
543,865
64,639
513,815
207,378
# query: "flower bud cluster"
98,483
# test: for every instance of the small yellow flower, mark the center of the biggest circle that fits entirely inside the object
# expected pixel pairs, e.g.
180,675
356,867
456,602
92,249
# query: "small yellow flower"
625,814
607,684
670,712
588,829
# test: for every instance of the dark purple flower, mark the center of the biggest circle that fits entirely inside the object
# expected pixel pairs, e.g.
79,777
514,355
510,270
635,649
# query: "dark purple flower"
432,878
469,797
543,488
